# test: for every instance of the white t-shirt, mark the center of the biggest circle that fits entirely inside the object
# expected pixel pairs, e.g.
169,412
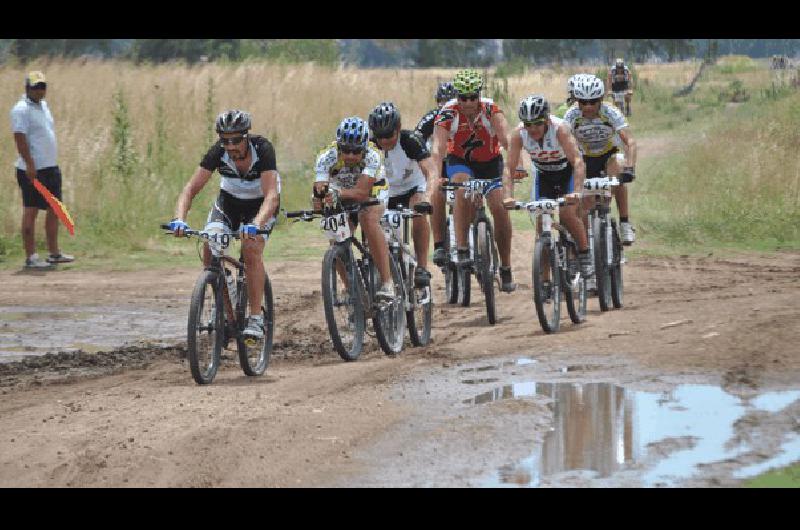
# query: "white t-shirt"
36,123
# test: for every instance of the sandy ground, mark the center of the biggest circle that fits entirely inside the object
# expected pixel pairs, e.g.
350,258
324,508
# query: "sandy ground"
134,416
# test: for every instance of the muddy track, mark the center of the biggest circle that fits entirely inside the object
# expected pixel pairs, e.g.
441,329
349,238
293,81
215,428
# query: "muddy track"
134,416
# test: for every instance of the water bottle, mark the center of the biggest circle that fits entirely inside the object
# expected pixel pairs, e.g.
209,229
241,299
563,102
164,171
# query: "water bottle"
231,284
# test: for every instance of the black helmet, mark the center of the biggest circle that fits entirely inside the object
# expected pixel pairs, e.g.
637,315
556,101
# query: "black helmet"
445,92
233,121
384,119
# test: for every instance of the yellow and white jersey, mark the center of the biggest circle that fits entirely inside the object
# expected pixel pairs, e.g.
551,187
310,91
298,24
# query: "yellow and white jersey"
330,167
596,135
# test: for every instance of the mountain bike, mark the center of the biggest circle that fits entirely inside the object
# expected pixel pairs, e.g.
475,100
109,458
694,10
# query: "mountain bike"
418,300
556,267
453,293
219,309
605,244
350,280
483,262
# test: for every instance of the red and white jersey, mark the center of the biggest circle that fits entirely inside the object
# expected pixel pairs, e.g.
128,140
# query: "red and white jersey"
473,140
547,155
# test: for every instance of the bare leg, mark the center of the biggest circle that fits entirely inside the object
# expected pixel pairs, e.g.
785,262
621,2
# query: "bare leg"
28,229
463,214
422,234
369,219
502,223
437,217
51,231
253,251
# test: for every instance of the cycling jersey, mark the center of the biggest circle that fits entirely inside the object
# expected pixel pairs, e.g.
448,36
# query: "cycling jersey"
473,140
596,135
547,154
330,167
247,186
620,80
401,164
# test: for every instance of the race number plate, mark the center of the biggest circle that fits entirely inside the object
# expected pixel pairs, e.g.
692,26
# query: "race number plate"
336,227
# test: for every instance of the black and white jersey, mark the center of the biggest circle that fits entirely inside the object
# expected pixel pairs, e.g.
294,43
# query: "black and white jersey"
401,164
425,127
247,185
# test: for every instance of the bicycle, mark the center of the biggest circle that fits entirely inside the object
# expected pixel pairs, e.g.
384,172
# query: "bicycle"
210,330
483,260
605,244
418,300
555,253
453,293
346,312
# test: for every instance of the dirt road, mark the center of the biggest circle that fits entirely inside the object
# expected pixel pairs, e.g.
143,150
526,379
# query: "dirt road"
136,418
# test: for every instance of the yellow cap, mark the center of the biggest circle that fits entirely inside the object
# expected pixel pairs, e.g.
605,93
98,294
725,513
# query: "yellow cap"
34,78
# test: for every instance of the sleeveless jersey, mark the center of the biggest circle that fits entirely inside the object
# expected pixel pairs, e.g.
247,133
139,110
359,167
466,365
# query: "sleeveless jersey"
330,167
549,156
596,135
473,140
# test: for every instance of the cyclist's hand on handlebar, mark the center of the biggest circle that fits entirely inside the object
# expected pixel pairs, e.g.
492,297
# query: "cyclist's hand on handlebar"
509,203
177,226
628,174
248,231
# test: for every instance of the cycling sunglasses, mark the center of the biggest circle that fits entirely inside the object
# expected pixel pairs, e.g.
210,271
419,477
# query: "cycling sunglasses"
236,140
588,101
468,97
351,150
540,121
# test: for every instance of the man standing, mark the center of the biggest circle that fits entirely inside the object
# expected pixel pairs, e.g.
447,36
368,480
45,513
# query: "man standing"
35,136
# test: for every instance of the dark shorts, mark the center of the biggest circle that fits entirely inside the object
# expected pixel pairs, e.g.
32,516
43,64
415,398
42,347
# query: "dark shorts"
233,212
620,86
596,164
492,169
31,198
401,201
553,184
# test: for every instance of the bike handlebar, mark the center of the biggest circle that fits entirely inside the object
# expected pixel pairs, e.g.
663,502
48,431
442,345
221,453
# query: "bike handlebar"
540,205
308,215
189,232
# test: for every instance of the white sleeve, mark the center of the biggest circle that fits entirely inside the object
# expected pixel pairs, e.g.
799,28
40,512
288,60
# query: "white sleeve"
325,162
19,120
617,118
373,164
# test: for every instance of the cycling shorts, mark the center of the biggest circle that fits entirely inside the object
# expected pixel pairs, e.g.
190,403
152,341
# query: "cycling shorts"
596,164
230,212
490,170
552,184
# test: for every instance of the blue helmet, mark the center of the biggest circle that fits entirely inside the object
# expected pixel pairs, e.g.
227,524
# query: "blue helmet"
352,132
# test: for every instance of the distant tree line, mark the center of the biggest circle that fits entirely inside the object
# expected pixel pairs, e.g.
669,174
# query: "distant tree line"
395,52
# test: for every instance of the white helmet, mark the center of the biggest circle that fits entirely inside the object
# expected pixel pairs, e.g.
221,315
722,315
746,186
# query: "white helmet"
571,84
533,108
589,87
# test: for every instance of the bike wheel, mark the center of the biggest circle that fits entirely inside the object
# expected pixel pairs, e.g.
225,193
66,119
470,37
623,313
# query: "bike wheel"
574,286
254,356
390,318
421,312
601,270
344,313
206,328
545,265
484,243
451,288
616,267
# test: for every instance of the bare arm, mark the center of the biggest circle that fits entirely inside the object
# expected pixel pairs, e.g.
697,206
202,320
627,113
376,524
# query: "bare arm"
439,149
501,129
630,147
24,151
511,164
570,146
269,208
192,188
361,191
431,172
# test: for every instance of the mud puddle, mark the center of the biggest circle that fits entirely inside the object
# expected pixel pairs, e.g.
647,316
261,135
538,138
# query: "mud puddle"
37,330
664,437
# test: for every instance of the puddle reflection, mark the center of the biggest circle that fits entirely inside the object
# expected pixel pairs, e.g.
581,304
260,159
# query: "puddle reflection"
601,427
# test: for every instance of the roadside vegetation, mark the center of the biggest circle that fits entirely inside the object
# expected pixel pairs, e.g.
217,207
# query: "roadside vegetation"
131,135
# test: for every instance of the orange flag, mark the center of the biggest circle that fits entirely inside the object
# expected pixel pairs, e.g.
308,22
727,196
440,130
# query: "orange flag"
57,206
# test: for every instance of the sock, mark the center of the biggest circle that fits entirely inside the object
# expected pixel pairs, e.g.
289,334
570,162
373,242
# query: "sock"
438,245
623,219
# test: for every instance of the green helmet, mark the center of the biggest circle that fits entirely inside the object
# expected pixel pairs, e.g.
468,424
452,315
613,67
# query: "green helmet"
468,81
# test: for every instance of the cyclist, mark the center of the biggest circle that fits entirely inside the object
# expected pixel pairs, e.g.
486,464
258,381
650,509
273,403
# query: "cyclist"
345,173
564,107
558,166
594,125
444,93
620,80
476,129
248,200
409,170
